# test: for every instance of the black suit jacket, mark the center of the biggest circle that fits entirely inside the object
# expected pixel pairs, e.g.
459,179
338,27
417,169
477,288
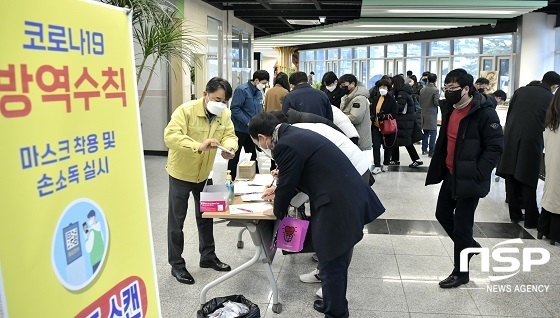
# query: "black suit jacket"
307,99
341,202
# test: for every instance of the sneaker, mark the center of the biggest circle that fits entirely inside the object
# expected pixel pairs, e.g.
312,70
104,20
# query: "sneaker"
319,293
394,163
424,153
416,163
314,257
376,170
384,168
312,277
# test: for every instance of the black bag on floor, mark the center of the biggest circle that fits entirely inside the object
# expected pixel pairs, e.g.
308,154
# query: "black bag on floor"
218,302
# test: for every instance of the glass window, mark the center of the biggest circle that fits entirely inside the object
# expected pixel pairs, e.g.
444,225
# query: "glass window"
309,55
360,52
499,44
466,46
414,49
247,55
319,71
395,49
440,48
345,68
503,82
415,66
332,54
320,55
377,51
469,64
346,53
487,64
376,71
235,48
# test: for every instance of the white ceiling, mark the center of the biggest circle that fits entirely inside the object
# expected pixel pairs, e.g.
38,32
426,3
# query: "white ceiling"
406,16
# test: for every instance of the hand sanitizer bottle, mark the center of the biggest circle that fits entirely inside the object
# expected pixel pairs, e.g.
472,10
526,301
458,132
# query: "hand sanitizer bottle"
229,186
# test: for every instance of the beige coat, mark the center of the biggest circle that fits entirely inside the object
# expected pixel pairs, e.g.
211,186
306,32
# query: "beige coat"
274,98
551,193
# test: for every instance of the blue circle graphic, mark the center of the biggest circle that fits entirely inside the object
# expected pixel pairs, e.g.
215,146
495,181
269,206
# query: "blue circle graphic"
80,244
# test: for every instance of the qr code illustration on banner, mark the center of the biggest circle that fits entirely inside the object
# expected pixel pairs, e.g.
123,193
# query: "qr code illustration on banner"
72,239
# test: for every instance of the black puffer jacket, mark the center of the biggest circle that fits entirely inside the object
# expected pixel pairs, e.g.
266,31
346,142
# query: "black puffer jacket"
405,122
480,143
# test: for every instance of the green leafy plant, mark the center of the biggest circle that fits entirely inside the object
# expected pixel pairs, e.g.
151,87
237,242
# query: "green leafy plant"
316,85
160,35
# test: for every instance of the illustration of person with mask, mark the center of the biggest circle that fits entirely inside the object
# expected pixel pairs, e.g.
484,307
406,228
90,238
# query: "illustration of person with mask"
195,130
95,245
482,84
247,101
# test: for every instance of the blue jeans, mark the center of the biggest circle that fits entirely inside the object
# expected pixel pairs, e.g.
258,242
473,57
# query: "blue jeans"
431,134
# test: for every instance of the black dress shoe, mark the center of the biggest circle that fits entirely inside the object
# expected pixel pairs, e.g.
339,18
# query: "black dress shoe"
539,235
182,275
216,265
318,305
453,281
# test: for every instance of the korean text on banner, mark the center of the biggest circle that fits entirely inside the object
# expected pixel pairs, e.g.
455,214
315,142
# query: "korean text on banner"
74,231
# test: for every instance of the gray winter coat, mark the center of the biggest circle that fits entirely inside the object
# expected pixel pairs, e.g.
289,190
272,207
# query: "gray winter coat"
429,101
356,106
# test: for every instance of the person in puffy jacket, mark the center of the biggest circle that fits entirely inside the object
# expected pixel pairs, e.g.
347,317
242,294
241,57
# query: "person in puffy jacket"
409,132
468,148
382,106
355,105
330,86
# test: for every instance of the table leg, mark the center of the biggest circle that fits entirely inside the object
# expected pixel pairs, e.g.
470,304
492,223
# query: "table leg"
240,238
276,306
229,275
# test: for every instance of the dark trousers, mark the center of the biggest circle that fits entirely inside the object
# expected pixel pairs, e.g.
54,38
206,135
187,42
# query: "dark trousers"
377,141
334,282
456,216
244,141
522,196
429,140
179,192
411,152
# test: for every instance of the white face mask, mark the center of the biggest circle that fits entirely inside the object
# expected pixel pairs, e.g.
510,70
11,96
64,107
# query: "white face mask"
382,91
215,108
261,86
267,152
331,88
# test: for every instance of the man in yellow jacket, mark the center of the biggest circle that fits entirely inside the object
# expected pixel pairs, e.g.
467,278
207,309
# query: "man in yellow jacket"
192,136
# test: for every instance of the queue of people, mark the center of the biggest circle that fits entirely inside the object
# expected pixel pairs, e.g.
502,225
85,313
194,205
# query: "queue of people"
320,140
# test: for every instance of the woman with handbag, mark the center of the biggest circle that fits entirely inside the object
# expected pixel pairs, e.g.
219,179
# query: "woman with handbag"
409,131
383,110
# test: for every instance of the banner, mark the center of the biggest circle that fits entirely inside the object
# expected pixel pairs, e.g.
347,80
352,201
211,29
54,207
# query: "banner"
74,230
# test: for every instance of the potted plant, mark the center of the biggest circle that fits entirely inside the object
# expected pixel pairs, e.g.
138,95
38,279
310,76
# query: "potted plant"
160,35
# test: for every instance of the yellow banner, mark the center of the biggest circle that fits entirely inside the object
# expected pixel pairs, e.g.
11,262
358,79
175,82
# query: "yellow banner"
74,228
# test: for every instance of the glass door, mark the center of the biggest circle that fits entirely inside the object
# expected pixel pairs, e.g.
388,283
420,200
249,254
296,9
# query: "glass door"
443,69
394,67
503,78
364,73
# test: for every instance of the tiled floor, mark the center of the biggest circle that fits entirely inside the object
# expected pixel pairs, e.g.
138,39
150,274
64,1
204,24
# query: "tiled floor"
394,270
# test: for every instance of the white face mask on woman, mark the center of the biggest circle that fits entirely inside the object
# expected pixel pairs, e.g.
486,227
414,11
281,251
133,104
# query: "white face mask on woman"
331,88
382,91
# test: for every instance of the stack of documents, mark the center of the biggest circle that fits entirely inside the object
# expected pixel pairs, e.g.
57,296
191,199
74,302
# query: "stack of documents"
249,208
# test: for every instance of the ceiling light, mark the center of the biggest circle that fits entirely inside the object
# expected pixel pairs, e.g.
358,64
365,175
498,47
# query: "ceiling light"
364,32
398,26
445,11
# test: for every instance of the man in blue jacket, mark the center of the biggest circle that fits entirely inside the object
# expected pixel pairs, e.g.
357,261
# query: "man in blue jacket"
247,102
341,201
306,99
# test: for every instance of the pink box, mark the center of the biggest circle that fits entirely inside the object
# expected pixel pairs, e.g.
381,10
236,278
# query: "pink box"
213,198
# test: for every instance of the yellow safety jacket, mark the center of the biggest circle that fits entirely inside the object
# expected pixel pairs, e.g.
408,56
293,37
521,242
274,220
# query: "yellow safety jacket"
188,128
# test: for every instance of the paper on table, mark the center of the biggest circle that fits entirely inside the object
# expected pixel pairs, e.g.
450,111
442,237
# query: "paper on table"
249,208
242,188
262,179
256,197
